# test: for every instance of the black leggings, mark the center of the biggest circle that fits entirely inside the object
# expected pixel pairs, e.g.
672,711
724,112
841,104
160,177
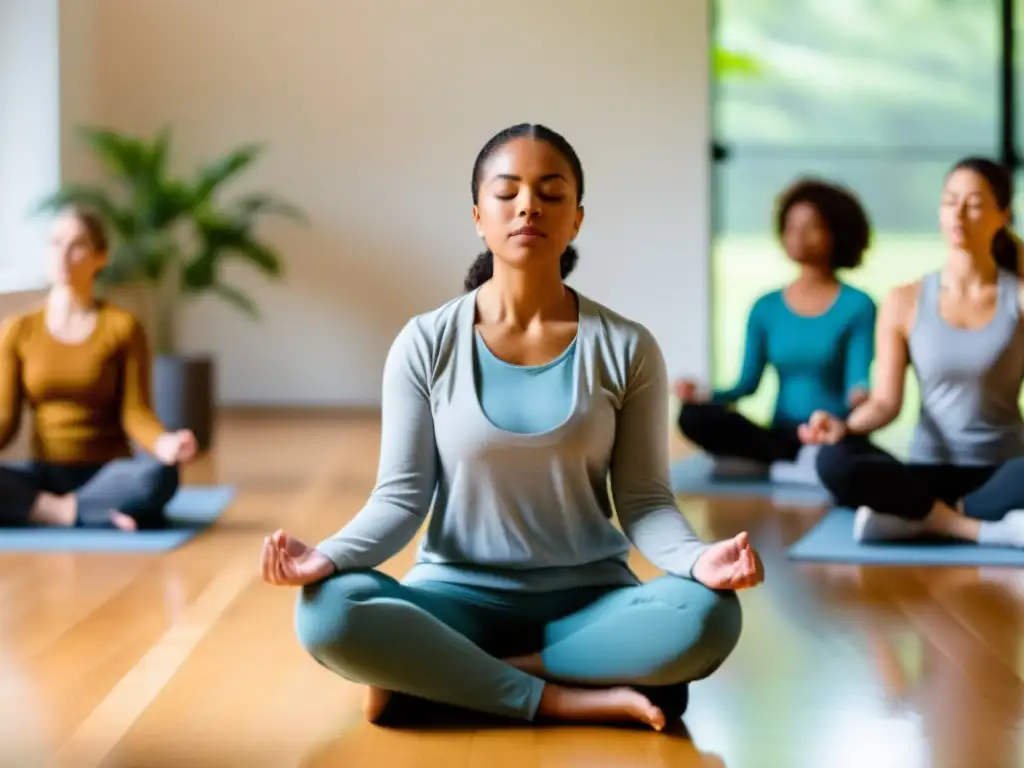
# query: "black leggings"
723,432
858,473
139,487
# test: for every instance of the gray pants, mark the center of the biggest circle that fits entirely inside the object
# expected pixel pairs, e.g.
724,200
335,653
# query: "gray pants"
139,486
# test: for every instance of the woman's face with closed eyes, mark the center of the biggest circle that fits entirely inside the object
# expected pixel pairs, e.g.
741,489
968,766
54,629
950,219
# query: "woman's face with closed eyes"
527,208
969,214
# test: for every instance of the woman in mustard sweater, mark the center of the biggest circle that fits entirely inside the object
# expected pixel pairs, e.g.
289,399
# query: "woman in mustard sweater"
83,368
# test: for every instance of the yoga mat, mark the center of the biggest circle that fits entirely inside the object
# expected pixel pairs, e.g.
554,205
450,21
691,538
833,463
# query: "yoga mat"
192,510
694,476
831,541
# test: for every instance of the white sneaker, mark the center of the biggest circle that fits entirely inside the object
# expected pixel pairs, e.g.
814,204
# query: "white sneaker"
869,525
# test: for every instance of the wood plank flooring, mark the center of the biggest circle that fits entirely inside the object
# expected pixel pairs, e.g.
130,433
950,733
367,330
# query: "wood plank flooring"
188,659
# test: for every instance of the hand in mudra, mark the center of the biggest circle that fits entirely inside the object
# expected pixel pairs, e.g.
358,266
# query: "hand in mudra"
286,561
821,429
730,564
176,447
688,392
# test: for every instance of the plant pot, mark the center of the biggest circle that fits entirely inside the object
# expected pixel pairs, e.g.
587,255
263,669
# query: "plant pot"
183,395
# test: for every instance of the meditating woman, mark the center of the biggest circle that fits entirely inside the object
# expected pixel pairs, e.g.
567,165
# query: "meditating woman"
82,367
510,408
960,330
817,333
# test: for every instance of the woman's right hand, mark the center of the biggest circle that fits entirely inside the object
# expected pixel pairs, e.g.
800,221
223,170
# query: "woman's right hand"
822,429
688,392
286,561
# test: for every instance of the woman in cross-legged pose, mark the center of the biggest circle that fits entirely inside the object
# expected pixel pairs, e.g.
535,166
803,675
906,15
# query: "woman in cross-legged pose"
510,408
960,329
82,367
817,333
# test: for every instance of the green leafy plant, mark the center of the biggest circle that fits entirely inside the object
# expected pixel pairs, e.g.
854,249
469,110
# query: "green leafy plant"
170,233
727,64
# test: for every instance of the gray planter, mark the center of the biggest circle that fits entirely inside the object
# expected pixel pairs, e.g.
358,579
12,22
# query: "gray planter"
184,393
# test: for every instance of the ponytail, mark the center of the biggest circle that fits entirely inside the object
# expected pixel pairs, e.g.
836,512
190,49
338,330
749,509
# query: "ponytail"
480,271
482,268
1005,247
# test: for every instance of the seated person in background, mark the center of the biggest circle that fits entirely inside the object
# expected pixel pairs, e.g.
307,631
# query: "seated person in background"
817,332
960,330
83,367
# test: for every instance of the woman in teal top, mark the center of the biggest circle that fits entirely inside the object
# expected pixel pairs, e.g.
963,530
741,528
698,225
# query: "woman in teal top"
817,332
521,417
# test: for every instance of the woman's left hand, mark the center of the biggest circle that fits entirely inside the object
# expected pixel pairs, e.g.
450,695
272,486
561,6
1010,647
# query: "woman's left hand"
176,447
730,564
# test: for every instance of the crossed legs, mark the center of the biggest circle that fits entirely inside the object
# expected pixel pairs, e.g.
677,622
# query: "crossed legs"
574,654
725,433
127,493
896,500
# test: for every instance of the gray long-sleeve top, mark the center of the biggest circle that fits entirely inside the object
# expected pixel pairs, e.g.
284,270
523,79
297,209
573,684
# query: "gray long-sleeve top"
522,511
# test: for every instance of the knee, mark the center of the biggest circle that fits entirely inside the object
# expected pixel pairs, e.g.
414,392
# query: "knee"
712,621
160,482
156,485
718,632
325,621
835,470
1014,467
694,420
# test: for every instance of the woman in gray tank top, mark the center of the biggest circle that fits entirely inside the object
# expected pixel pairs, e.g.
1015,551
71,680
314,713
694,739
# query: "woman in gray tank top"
961,331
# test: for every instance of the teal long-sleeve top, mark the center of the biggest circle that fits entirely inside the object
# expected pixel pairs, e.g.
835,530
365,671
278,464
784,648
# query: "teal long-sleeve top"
820,360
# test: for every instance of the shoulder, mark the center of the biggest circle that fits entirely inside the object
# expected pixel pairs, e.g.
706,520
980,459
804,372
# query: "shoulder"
900,305
767,304
904,293
123,324
22,320
15,328
427,337
625,345
857,297
860,303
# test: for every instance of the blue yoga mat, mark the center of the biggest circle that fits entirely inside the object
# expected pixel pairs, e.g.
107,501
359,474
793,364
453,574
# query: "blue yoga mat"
193,509
694,476
831,541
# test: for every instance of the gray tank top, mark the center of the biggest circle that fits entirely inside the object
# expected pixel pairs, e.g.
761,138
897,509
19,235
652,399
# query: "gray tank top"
970,382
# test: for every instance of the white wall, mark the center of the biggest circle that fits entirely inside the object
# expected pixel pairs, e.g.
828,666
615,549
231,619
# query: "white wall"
29,134
372,111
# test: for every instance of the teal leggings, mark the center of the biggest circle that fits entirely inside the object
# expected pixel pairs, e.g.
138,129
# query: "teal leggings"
443,642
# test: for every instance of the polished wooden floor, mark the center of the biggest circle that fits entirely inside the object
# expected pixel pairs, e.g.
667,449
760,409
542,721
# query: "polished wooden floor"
188,659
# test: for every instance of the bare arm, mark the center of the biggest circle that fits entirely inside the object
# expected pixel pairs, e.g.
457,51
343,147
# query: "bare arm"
886,397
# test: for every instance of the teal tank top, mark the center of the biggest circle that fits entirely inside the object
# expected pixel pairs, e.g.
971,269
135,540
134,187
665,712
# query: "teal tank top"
525,399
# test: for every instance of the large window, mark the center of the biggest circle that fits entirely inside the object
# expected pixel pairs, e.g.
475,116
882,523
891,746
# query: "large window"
29,136
881,95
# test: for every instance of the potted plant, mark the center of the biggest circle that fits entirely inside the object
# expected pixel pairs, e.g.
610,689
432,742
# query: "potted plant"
173,235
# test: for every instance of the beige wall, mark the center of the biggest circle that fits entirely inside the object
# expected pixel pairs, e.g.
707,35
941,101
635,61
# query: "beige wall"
372,111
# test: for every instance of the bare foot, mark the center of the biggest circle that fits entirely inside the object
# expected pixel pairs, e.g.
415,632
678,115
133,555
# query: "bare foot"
375,703
52,510
608,704
122,522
